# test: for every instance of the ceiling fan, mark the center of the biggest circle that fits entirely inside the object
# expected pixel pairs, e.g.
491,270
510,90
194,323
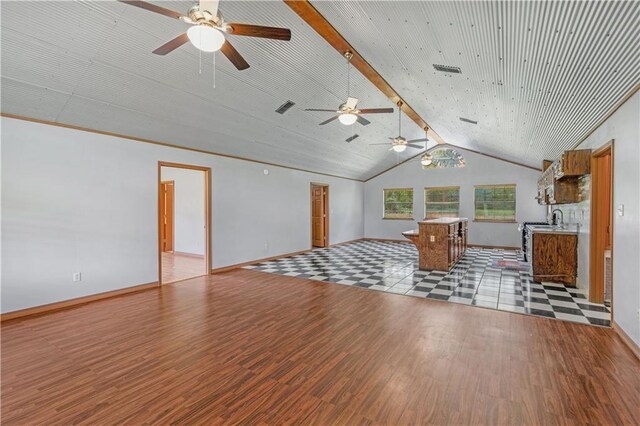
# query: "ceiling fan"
399,144
208,30
348,113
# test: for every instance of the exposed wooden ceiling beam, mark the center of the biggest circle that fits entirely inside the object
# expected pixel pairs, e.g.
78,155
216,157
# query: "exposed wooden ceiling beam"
318,22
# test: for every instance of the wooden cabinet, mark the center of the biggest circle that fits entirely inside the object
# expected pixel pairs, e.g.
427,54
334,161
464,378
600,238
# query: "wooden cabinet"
441,243
560,180
555,257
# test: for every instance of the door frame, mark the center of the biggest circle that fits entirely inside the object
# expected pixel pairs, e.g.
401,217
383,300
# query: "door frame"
207,212
326,212
173,216
596,293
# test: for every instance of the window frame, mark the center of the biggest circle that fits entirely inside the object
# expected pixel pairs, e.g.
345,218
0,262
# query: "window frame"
426,188
496,220
384,204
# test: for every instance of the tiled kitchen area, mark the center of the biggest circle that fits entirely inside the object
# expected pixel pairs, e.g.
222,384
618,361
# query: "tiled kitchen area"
487,278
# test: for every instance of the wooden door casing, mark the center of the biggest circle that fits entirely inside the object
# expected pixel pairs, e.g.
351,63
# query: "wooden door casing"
166,215
601,218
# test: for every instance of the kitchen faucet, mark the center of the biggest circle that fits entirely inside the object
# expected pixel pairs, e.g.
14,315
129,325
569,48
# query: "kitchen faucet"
553,217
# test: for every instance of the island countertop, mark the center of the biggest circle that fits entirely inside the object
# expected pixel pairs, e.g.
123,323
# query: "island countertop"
444,220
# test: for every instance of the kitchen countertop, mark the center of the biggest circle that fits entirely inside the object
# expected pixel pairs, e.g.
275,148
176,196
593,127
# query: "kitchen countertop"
445,220
542,229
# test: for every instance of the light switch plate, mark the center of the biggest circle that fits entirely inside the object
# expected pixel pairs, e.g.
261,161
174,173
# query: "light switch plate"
620,209
432,238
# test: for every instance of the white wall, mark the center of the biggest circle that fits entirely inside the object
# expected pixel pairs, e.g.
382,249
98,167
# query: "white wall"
189,209
78,201
479,170
624,128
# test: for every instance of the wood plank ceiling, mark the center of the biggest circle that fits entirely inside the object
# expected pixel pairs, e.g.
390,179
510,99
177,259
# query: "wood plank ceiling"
535,75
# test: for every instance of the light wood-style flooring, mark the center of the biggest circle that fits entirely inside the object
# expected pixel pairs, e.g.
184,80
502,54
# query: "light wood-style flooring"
177,267
256,348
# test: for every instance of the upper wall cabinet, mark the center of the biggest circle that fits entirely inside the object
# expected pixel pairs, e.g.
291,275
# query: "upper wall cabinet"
560,180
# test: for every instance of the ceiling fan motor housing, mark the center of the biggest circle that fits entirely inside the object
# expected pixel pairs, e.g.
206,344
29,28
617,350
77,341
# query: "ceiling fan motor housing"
345,108
198,16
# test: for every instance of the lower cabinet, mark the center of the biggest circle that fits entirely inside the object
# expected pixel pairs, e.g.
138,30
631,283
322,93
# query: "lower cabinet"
555,257
442,242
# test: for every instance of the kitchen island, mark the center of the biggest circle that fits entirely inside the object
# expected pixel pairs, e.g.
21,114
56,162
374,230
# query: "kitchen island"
440,242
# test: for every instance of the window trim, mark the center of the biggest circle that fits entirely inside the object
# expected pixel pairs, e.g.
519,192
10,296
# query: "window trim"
515,204
384,204
440,188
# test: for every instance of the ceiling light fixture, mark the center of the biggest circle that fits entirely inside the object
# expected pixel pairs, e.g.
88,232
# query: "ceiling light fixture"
399,147
205,38
347,118
426,160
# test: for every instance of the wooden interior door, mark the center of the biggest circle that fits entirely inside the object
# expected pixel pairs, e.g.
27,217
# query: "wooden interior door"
166,215
601,220
319,216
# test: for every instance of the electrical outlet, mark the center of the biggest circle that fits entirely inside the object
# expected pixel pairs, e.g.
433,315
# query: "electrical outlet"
77,276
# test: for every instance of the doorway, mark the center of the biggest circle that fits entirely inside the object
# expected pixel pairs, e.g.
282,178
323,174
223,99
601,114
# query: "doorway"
319,215
184,222
601,256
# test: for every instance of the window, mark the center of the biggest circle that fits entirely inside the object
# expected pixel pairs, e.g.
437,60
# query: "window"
441,202
398,203
495,203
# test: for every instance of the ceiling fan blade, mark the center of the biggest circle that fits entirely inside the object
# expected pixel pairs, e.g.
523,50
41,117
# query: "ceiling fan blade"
413,145
172,45
210,6
330,120
259,31
418,140
153,8
351,102
317,109
363,121
232,54
376,111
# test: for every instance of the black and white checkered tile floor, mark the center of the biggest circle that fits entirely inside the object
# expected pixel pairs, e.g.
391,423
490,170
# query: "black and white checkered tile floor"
489,278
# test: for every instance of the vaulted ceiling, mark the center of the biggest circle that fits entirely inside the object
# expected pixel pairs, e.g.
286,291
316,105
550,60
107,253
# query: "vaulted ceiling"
535,75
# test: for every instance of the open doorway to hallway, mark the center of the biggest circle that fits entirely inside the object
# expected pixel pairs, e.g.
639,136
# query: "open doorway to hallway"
183,222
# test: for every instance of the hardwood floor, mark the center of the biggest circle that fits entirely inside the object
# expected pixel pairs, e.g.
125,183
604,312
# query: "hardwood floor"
177,267
250,347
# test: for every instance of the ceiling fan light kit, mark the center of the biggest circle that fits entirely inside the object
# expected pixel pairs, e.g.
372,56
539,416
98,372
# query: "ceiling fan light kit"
205,38
399,147
348,118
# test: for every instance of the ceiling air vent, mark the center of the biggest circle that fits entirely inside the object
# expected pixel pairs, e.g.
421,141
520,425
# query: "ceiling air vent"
349,139
285,107
466,120
447,68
